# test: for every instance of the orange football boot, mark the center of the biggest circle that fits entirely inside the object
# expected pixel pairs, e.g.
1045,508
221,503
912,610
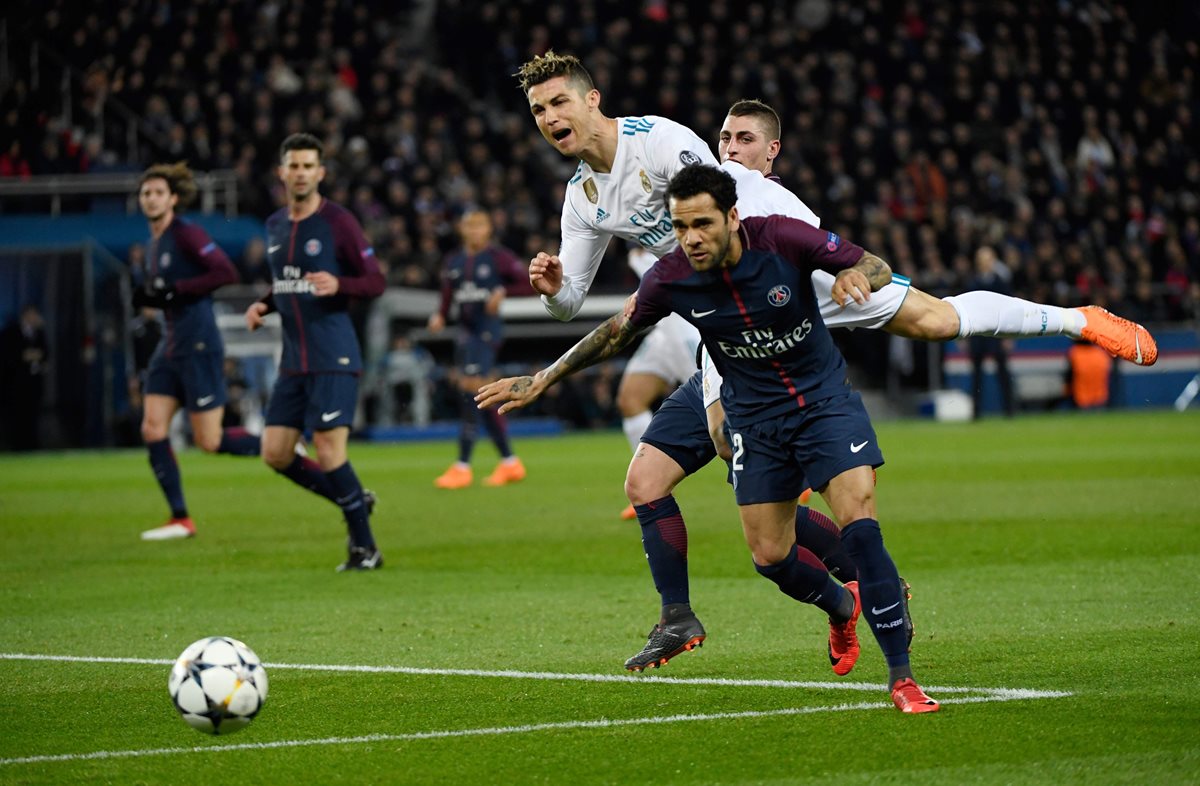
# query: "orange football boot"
843,641
1118,336
909,698
457,477
506,472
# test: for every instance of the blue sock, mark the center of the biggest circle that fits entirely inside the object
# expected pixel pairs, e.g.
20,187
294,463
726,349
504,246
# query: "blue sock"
816,532
664,539
801,575
497,429
349,497
166,470
878,588
468,426
308,473
239,442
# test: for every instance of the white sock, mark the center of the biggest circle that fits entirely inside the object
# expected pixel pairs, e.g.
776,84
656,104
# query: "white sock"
635,426
983,313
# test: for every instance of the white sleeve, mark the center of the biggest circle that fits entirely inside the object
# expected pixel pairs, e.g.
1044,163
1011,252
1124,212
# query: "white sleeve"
760,196
712,379
671,146
580,253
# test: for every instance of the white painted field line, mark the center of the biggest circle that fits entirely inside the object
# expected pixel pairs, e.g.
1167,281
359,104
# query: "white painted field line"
1015,693
603,723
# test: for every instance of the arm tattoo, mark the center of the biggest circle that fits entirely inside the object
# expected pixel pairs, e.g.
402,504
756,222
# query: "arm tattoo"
878,274
613,335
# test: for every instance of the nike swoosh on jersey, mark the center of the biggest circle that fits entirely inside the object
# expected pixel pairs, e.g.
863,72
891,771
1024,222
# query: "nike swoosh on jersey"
273,249
698,314
855,448
204,401
328,416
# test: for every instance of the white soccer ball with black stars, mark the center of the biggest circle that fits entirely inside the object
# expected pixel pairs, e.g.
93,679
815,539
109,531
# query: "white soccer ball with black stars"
218,685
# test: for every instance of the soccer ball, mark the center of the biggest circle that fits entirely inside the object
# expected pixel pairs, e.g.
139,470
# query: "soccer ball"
218,685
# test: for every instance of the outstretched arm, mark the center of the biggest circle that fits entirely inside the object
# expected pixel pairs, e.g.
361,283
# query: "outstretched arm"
613,335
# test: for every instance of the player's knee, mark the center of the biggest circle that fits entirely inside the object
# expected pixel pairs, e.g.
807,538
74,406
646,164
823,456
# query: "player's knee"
768,552
942,323
209,443
631,403
276,457
153,430
643,487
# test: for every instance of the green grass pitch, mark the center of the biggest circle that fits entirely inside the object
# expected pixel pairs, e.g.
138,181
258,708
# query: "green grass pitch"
1058,555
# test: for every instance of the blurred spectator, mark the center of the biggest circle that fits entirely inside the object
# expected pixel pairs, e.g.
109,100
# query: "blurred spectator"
988,277
1088,370
253,264
24,354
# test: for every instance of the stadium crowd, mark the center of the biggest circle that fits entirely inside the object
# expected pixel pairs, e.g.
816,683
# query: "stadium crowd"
1062,134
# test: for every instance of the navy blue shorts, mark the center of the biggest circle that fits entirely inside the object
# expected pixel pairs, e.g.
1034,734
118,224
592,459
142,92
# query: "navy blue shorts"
197,381
680,428
316,402
772,456
475,353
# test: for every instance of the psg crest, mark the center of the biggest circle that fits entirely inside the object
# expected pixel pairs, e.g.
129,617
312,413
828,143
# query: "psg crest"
312,247
779,295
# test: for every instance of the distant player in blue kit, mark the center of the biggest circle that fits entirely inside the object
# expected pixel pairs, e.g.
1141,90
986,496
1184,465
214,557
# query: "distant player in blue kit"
475,280
319,259
183,268
747,287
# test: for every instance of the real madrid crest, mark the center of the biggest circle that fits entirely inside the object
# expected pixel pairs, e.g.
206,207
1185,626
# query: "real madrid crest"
646,186
589,188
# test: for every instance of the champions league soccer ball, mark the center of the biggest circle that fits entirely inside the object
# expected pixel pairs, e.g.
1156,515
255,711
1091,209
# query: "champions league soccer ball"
218,685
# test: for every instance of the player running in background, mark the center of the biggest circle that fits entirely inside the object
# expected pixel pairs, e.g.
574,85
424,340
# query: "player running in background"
475,279
319,259
183,268
747,287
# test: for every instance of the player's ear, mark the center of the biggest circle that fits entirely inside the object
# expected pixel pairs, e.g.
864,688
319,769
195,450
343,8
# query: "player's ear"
734,221
773,150
593,98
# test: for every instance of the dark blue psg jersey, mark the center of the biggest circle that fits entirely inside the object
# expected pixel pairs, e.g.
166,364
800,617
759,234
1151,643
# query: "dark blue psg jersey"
317,333
758,319
468,281
186,258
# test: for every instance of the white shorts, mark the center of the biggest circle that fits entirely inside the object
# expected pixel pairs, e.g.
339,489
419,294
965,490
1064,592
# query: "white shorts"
668,351
875,313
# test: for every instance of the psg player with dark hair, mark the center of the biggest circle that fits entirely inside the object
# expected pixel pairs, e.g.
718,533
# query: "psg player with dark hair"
183,268
475,279
319,259
747,287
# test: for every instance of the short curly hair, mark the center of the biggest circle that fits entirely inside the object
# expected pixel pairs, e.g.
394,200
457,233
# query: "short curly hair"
180,180
698,179
545,67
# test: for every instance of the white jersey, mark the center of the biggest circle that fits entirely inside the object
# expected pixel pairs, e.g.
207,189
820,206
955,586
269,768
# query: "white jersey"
629,202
